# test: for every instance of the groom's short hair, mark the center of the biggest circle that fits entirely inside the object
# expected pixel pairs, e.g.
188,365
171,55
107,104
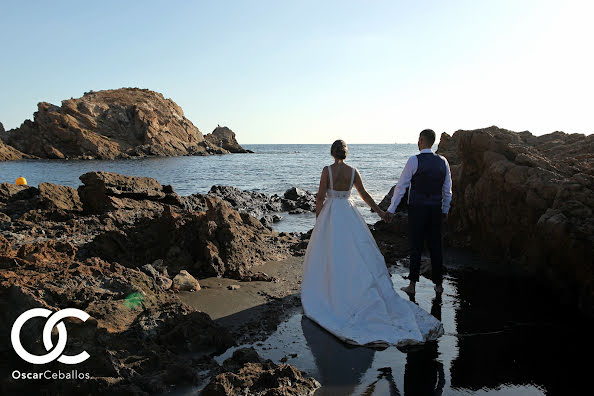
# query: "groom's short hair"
428,135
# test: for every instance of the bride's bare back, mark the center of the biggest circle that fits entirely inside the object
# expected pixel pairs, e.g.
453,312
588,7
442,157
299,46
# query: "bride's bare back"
341,174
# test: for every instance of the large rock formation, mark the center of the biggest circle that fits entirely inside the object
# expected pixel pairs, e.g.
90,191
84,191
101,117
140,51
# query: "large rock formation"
225,138
528,198
119,123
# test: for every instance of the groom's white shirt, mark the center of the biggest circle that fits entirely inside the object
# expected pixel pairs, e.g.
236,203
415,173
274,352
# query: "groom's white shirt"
407,173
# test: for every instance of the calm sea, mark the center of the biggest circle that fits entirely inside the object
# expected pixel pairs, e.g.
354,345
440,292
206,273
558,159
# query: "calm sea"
272,169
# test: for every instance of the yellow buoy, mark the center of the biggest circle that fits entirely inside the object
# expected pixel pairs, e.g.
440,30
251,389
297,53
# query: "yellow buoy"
21,181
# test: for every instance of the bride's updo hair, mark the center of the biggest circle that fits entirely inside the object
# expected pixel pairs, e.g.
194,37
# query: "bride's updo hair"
339,149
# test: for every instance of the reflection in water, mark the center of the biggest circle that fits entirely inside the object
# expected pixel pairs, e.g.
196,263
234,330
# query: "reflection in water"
340,366
517,334
423,373
502,336
384,373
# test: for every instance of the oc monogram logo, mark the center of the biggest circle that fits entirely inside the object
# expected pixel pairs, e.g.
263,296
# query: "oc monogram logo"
47,335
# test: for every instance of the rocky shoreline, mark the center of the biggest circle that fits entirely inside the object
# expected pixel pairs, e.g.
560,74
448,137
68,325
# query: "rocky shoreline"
121,248
113,124
132,253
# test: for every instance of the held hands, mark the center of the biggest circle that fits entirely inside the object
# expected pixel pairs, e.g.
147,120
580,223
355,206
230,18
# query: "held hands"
387,216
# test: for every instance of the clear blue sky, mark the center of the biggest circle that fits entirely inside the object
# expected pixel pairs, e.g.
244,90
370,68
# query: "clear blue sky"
312,71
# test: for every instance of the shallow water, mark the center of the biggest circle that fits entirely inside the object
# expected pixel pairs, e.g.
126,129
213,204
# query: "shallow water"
272,170
501,337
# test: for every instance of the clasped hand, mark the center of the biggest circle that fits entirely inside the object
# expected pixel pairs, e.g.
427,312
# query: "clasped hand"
386,216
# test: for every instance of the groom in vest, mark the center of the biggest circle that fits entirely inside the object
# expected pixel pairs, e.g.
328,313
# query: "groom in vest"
429,197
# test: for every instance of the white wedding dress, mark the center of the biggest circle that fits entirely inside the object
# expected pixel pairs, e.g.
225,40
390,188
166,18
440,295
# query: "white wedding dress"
346,286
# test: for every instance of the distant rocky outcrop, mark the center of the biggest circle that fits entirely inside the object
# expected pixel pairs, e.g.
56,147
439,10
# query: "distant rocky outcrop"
119,123
225,138
528,198
7,152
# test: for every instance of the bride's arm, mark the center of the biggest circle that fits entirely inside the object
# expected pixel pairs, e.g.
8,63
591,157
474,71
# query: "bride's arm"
322,191
365,195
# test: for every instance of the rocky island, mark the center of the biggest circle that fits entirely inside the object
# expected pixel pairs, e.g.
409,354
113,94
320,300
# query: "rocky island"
112,124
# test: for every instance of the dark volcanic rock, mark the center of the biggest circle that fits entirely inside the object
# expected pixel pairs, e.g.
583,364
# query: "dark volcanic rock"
136,221
139,336
136,332
59,197
392,238
402,206
210,239
530,199
252,202
217,242
246,373
225,138
16,200
105,190
295,200
119,123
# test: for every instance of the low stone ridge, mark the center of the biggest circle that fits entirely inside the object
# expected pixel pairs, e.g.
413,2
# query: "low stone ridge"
260,205
530,199
108,190
246,373
118,123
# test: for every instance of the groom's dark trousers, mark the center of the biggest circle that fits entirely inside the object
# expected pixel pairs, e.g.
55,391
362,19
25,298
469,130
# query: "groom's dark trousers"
424,223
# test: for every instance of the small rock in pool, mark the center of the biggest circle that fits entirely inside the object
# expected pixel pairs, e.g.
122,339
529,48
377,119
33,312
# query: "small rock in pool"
185,281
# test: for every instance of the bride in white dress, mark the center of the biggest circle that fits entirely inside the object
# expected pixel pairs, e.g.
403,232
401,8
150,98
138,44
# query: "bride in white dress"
346,286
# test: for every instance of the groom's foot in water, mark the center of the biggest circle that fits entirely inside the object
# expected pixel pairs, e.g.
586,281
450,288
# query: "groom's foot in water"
438,289
410,289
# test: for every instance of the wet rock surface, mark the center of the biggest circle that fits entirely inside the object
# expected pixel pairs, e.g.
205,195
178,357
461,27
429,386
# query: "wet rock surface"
247,373
530,199
119,123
